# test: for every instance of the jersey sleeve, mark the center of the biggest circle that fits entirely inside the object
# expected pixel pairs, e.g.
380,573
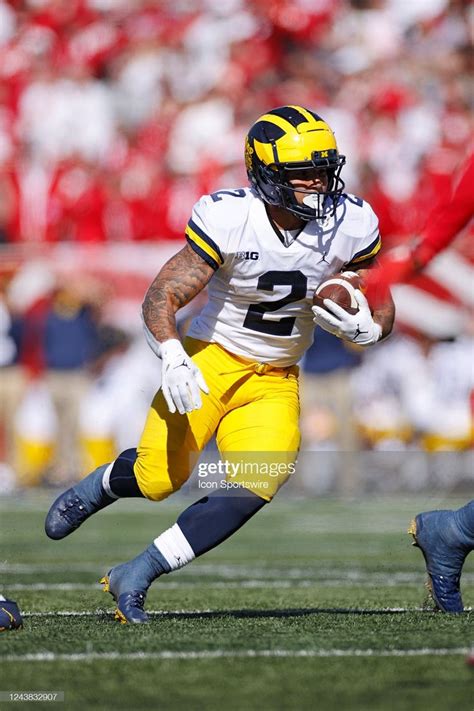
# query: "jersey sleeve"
203,234
370,242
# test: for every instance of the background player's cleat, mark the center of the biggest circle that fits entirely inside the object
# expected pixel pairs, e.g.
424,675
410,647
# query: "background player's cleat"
10,615
75,505
129,603
440,541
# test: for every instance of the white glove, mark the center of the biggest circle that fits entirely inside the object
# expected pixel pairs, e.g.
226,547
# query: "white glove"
181,379
359,328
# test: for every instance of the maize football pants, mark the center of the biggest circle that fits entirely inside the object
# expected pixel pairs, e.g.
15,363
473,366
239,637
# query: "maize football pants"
252,408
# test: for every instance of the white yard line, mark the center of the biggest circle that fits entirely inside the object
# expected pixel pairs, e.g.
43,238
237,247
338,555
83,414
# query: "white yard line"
220,570
221,585
52,586
243,654
196,613
246,573
33,568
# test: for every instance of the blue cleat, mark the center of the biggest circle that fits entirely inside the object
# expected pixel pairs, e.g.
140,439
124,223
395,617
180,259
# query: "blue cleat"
10,615
130,603
440,541
75,505
128,584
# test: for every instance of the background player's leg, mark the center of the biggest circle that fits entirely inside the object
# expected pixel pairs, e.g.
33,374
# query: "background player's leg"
464,518
445,539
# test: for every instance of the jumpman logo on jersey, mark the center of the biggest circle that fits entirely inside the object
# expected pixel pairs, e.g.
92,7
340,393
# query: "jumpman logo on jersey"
323,258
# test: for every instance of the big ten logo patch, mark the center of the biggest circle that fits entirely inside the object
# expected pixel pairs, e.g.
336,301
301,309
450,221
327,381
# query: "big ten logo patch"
247,255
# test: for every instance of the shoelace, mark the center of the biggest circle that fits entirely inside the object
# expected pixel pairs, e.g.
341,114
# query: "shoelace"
137,599
75,504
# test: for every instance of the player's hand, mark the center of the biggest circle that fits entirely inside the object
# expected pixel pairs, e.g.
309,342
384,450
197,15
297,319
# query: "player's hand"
358,328
181,379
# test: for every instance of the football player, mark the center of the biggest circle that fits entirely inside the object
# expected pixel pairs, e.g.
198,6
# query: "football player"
262,251
444,537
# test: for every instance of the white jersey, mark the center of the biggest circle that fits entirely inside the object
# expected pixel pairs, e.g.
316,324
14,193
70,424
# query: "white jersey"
261,295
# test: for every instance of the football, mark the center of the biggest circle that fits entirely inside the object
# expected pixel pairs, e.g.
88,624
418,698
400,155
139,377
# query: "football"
340,288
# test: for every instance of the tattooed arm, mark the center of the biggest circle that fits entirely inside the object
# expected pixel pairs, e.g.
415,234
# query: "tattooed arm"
179,281
384,315
383,312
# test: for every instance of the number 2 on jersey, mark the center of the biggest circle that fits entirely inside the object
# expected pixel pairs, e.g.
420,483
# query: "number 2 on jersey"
255,320
238,193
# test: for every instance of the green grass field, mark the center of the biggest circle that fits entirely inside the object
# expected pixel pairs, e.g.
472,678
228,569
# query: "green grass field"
315,604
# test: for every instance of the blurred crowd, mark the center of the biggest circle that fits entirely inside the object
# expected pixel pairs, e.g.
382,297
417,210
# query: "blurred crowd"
116,115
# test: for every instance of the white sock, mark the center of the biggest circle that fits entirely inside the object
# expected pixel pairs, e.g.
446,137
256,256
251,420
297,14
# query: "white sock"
174,547
106,482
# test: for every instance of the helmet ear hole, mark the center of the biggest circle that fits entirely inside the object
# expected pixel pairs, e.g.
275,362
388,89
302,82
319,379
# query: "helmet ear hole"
262,180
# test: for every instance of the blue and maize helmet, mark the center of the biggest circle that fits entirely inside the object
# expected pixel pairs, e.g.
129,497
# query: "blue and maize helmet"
292,138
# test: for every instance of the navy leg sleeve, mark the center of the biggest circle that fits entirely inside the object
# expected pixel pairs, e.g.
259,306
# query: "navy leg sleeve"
122,479
214,518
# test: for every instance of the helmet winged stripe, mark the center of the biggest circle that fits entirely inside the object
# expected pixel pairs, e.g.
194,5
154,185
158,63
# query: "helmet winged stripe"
274,120
311,118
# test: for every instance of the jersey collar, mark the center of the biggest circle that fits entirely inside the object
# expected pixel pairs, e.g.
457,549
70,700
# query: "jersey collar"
263,224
